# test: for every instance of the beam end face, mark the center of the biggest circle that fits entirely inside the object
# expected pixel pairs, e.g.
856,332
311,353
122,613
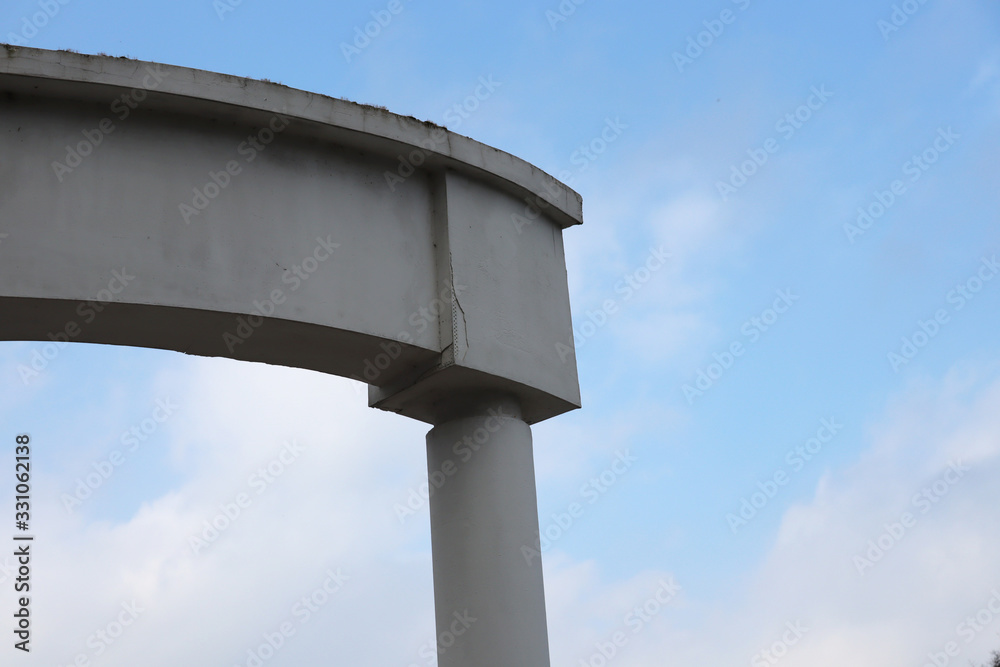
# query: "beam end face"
508,327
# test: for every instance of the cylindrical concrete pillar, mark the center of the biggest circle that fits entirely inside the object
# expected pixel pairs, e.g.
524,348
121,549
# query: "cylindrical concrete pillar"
489,601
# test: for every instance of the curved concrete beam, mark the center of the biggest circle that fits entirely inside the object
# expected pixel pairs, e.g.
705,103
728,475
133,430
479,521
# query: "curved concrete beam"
166,207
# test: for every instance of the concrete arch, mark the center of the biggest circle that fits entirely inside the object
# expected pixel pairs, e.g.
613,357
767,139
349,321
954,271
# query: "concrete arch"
213,191
166,207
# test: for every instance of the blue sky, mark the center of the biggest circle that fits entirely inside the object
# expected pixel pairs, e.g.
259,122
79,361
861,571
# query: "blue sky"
850,299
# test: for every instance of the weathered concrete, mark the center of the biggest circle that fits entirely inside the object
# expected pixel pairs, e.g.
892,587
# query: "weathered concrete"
218,216
482,516
322,177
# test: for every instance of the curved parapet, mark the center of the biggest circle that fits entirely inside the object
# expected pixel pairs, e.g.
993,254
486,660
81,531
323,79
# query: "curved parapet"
165,207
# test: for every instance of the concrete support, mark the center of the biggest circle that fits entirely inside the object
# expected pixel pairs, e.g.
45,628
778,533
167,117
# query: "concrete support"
483,512
358,242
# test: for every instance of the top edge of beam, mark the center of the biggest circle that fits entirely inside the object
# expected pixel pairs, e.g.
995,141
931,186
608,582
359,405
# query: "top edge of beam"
563,204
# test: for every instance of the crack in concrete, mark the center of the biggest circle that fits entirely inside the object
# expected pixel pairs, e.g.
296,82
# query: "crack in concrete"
465,323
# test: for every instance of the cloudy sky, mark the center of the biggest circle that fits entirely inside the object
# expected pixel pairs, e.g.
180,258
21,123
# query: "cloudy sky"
809,386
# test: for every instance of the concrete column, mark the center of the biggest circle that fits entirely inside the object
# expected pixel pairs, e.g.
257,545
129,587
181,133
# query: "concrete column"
483,511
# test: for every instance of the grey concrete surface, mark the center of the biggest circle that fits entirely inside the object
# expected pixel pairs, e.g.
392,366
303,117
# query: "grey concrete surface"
216,191
482,515
164,207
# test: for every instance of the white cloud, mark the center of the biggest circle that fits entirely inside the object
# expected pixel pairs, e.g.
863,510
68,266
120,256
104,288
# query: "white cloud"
330,508
911,602
333,509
